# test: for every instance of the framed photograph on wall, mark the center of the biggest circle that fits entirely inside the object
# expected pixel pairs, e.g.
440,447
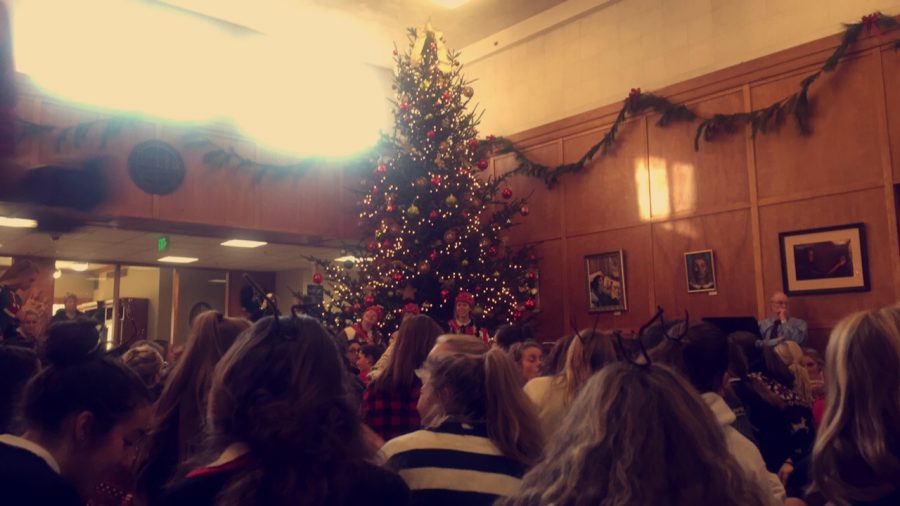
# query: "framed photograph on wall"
700,269
824,260
606,282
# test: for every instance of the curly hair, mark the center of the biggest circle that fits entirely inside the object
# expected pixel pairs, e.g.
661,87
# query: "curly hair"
637,435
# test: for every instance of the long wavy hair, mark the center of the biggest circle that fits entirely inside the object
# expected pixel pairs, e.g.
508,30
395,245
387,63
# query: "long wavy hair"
589,351
474,383
637,435
415,339
792,355
281,390
178,422
857,452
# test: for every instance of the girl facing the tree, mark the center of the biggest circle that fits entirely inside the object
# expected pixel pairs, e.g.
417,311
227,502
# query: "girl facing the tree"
462,318
364,331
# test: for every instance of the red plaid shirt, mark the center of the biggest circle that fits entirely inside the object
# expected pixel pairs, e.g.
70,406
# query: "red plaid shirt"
392,414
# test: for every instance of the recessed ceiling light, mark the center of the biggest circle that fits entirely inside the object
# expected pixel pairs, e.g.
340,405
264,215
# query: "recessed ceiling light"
75,266
178,260
450,4
6,221
218,281
241,243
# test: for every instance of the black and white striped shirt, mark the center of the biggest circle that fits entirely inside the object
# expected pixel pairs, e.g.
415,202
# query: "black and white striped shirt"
453,464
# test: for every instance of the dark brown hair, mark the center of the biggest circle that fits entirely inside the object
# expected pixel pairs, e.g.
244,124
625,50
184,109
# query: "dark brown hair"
415,339
282,391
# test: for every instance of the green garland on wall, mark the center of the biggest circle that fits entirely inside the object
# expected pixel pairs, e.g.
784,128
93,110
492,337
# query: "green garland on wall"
711,127
760,120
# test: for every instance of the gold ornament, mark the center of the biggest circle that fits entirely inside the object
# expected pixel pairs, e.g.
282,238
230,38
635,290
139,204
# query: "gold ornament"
468,91
450,236
424,267
478,310
496,274
451,200
412,211
464,263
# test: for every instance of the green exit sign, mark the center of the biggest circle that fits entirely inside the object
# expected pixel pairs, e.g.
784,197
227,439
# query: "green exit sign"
162,244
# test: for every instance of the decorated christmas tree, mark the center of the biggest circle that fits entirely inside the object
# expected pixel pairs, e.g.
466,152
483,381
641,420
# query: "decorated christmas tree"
435,220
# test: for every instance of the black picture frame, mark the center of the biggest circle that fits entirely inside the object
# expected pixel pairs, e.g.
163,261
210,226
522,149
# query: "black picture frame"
824,260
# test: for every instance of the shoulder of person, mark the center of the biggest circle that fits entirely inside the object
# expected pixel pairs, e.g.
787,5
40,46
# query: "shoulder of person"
379,485
538,387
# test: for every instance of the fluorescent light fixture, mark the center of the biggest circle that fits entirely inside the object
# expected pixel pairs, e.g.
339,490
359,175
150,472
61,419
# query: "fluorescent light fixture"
242,243
6,221
450,4
350,258
57,274
178,260
75,266
218,281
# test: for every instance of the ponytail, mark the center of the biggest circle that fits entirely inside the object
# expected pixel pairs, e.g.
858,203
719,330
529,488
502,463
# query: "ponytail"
511,421
589,352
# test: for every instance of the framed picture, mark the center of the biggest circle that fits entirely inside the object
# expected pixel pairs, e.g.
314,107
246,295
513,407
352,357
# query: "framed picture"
700,270
824,260
606,282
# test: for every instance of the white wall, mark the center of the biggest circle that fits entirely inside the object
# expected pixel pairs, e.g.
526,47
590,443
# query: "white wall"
594,60
194,287
285,281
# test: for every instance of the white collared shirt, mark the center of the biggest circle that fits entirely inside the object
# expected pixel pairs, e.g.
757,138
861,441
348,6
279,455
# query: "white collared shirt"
32,447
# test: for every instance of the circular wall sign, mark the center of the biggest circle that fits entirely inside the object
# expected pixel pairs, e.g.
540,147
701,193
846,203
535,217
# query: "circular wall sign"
156,167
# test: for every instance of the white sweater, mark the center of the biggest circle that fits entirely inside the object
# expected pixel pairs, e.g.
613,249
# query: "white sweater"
744,451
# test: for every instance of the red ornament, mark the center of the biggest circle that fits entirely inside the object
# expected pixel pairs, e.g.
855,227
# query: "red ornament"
473,143
404,106
356,307
436,180
381,169
433,256
370,299
492,251
633,98
430,134
529,304
445,96
373,247
433,215
516,315
445,293
317,278
531,275
387,244
524,211
482,164
398,276
506,193
389,208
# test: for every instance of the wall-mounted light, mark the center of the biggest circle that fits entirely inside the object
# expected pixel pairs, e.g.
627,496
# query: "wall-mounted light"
6,221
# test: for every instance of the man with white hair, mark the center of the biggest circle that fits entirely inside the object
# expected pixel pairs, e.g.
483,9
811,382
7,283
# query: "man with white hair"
781,326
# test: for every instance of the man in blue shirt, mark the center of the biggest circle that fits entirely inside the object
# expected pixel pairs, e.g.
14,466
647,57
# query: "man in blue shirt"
781,325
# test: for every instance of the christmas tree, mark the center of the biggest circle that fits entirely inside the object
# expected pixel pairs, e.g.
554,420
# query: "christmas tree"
435,220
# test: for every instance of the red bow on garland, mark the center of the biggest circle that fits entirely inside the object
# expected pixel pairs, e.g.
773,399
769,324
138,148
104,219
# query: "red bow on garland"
633,97
870,23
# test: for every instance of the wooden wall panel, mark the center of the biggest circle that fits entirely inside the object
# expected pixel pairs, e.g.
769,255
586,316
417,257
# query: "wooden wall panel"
211,195
839,152
319,194
551,319
891,68
823,311
125,198
608,192
635,243
728,235
686,181
544,223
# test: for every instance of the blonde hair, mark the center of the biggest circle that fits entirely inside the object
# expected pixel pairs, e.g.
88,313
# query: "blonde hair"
792,355
475,383
146,362
858,436
637,435
589,351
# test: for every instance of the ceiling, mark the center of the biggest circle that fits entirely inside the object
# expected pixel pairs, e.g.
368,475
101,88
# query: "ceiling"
97,244
464,25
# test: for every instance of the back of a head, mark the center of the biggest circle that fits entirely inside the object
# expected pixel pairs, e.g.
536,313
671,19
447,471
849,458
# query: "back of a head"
791,355
555,361
415,339
507,335
17,366
705,357
746,342
637,435
282,391
79,377
146,362
477,384
857,452
589,352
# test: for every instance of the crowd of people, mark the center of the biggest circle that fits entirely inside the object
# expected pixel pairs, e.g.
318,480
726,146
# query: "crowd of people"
283,411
